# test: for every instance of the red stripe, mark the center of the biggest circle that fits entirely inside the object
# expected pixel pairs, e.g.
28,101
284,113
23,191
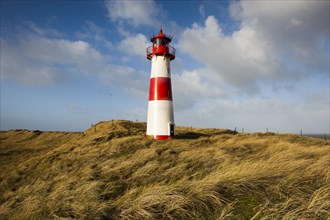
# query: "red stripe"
160,88
159,137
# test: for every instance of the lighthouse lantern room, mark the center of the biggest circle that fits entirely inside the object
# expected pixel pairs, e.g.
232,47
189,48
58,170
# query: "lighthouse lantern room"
160,121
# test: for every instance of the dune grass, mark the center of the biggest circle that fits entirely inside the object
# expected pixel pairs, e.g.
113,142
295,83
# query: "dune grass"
111,171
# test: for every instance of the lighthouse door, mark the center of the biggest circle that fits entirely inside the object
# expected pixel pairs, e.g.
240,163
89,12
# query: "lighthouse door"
171,129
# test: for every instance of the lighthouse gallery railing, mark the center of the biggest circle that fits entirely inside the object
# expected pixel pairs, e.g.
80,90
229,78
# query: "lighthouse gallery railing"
150,51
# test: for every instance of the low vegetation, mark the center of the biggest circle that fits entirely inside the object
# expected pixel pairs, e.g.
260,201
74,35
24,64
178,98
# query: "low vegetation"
111,171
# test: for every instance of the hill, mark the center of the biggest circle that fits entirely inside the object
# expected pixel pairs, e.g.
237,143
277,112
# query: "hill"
111,171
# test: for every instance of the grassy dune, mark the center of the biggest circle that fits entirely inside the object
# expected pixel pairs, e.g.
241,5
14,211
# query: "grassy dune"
111,171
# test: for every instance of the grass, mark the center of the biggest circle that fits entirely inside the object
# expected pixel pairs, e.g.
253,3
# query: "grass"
111,171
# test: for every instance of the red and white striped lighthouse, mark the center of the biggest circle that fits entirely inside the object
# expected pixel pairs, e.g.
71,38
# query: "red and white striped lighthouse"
160,122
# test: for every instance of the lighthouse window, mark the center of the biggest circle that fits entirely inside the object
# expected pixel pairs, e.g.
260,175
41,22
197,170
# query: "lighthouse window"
160,42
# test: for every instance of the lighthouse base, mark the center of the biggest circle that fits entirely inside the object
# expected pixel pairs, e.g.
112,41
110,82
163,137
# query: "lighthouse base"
159,137
160,122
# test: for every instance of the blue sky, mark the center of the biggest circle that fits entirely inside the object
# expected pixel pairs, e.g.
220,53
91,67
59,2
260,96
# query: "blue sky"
253,64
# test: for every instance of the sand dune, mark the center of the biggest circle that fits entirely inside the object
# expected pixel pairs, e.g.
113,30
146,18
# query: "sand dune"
111,171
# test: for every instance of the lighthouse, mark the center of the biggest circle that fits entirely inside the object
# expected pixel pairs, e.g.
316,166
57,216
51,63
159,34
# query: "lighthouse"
160,121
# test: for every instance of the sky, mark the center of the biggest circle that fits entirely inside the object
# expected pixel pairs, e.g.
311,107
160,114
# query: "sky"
252,65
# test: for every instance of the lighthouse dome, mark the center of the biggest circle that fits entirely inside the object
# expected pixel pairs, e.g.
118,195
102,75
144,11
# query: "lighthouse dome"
161,36
161,46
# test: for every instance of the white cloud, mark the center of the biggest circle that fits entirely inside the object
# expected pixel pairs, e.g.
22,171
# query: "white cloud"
95,33
36,59
240,60
134,45
202,11
257,114
277,45
128,77
42,31
295,28
276,41
135,13
190,88
40,60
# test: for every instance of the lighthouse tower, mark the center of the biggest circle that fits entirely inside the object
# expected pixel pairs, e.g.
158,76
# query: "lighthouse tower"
160,122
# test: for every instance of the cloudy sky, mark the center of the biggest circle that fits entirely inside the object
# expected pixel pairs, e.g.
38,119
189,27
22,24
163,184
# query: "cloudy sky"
247,64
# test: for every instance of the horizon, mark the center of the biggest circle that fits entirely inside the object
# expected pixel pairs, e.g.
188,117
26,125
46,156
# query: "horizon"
244,64
267,130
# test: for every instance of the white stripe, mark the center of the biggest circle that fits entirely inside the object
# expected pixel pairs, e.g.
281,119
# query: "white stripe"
160,114
160,66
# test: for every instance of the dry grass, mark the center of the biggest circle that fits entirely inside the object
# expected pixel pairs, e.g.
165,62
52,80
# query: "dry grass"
111,171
